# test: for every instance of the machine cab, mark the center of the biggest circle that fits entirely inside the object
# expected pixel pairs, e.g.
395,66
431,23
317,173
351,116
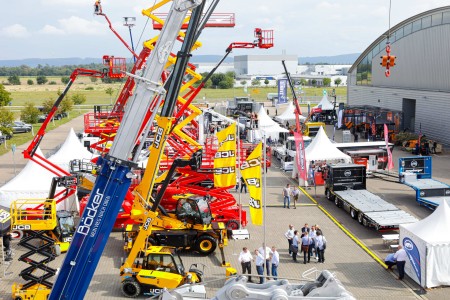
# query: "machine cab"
194,210
66,226
165,260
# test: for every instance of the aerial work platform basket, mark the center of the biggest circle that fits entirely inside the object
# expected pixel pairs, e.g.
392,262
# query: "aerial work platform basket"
215,20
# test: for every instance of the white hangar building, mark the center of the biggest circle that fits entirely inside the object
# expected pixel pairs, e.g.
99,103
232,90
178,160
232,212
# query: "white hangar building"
419,84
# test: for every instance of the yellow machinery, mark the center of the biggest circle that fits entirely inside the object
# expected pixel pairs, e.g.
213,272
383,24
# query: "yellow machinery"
311,128
45,233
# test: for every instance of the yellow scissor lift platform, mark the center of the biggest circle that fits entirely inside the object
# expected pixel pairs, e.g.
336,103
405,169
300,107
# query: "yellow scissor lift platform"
34,218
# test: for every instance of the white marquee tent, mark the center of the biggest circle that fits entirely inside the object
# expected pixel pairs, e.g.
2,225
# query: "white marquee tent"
69,150
267,126
325,104
32,182
427,243
288,115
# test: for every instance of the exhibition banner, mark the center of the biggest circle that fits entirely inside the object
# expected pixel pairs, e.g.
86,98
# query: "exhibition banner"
225,158
251,172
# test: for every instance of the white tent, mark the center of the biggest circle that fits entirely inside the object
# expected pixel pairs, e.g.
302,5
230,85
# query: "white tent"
325,104
267,126
288,115
33,182
69,150
321,148
427,244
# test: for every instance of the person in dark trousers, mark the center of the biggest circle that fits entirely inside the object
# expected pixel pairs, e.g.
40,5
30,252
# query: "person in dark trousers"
390,261
7,237
433,149
295,243
306,241
245,258
243,185
400,256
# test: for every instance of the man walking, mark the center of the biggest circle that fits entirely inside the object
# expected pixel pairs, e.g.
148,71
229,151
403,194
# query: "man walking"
295,195
245,258
400,256
275,262
287,196
289,236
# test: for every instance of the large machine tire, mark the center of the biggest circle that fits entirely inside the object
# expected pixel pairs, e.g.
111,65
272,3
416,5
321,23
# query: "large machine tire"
329,195
360,218
337,202
233,224
130,288
206,244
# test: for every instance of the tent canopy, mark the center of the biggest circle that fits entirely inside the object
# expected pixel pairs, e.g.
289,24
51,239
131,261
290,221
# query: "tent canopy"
289,114
321,148
325,104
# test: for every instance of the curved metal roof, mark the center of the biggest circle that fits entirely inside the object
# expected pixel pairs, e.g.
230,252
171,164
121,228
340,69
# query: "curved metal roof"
393,29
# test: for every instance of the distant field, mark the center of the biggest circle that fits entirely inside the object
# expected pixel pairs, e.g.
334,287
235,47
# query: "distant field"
96,91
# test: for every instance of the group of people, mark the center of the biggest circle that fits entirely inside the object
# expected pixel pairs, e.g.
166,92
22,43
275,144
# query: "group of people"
264,258
289,192
310,241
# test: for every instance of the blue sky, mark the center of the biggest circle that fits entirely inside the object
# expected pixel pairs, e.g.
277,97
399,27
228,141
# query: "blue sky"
68,28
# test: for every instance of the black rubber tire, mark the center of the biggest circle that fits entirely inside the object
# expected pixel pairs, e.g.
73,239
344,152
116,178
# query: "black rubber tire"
233,224
360,218
337,202
130,288
205,244
353,213
365,223
327,194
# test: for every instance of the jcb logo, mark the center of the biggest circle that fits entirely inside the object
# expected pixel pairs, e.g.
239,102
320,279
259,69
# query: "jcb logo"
254,203
253,181
224,154
21,227
251,163
158,137
67,239
224,170
229,138
147,223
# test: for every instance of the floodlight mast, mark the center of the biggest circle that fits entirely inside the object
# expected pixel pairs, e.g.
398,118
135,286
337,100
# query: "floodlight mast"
130,22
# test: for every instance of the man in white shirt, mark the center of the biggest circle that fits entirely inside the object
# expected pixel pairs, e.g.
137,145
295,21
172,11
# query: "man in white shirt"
400,256
289,236
295,242
245,258
275,262
266,254
259,261
287,196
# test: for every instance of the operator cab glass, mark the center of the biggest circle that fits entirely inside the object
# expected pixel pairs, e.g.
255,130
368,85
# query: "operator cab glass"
165,262
194,210
66,226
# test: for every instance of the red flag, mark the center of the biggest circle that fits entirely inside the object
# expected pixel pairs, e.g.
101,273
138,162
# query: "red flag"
389,153
300,155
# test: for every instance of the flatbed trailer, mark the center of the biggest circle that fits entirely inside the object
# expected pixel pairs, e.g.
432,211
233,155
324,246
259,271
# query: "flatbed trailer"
346,186
416,172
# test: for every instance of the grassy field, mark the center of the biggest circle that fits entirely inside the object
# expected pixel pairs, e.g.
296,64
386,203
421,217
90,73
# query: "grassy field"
95,92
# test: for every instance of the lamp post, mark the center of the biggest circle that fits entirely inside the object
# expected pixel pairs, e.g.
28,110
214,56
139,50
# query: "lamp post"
129,22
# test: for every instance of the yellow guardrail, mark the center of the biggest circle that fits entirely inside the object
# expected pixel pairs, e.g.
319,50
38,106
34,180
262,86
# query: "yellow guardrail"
33,214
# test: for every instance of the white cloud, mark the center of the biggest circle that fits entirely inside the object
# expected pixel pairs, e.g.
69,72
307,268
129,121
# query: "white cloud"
52,30
328,5
15,31
77,25
67,2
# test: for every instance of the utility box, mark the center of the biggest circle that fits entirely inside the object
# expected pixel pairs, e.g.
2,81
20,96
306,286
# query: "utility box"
346,136
241,234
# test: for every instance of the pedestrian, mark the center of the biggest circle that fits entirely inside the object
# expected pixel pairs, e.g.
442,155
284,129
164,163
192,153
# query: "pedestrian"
400,257
295,242
321,244
289,236
275,260
306,240
295,194
259,262
267,111
243,185
287,196
390,261
266,254
426,145
313,235
245,258
7,237
433,148
305,228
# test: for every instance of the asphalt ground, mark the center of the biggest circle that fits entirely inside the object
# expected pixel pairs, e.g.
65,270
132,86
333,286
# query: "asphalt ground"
355,267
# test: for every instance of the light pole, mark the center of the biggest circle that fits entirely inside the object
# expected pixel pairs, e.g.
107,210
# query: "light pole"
129,22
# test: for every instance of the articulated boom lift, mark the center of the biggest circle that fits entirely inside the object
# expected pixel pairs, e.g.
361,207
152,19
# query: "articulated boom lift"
115,173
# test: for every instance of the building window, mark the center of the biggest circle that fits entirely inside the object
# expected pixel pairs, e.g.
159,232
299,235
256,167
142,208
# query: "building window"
364,71
426,22
436,19
417,25
407,29
446,17
399,34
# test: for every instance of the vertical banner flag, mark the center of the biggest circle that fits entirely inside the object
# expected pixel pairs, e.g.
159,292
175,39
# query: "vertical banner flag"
225,158
282,91
389,153
414,256
251,172
300,155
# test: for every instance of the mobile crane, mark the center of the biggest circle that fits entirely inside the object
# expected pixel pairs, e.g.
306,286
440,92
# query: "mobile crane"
115,169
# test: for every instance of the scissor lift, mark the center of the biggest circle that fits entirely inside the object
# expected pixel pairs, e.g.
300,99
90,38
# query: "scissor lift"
34,224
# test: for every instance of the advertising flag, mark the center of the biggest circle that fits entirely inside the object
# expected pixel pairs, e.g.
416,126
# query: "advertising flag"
225,158
389,153
282,91
251,172
300,155
414,256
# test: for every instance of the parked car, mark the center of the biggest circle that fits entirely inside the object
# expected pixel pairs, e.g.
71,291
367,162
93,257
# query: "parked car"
3,137
20,127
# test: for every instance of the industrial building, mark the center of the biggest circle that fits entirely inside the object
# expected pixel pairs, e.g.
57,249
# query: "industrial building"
264,64
419,83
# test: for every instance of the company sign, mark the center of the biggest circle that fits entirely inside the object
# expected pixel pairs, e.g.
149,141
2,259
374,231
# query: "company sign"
413,255
282,91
